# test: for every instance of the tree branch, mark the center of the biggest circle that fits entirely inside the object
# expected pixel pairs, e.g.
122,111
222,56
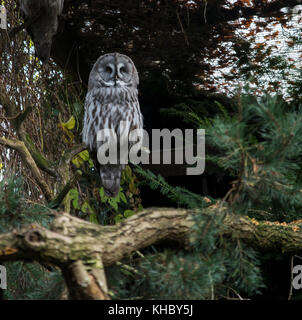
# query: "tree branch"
82,247
60,197
30,162
72,239
85,285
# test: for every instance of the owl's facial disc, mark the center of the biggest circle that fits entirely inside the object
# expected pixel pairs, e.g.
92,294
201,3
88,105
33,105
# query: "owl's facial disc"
114,70
116,74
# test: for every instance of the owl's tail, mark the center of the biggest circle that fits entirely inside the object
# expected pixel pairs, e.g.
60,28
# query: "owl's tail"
111,178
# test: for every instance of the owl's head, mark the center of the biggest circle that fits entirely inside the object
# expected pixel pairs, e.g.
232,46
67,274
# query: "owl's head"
113,70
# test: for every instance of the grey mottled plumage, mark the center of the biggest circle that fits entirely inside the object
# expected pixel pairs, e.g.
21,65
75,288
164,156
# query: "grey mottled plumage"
111,98
42,17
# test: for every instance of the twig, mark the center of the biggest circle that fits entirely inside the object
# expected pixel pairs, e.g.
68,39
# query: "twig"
60,197
205,11
182,28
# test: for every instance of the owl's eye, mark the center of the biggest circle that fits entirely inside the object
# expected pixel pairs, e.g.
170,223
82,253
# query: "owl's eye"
123,70
108,69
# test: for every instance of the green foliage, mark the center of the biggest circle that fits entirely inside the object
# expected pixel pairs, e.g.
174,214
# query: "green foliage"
31,281
259,145
80,158
94,205
178,195
243,269
175,274
211,268
261,148
16,209
25,280
178,275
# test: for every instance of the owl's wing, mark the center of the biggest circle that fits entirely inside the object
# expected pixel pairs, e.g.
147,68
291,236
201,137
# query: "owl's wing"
91,123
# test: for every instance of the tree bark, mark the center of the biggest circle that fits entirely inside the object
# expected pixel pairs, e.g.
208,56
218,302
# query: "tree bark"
82,249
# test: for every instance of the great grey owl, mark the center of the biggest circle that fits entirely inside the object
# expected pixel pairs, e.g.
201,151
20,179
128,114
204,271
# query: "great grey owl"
41,18
112,99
